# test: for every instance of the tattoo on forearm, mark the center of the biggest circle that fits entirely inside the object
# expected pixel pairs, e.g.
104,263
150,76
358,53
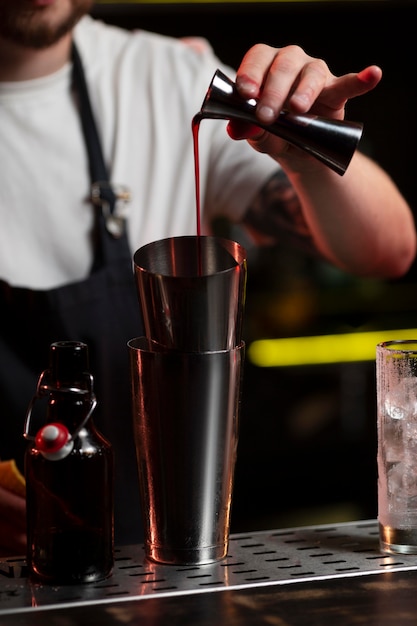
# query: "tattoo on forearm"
276,213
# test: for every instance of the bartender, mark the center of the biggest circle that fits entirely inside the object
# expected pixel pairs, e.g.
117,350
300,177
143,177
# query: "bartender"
97,160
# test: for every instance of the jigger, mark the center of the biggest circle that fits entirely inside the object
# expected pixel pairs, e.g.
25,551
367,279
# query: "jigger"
333,142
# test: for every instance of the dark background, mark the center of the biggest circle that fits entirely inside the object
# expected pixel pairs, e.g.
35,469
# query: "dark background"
308,441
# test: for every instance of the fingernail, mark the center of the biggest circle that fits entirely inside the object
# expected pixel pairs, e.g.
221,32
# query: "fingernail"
246,84
266,114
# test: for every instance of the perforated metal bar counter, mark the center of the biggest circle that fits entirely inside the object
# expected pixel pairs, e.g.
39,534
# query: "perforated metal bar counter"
262,567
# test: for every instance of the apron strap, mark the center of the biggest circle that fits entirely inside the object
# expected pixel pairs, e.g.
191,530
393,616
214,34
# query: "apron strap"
103,194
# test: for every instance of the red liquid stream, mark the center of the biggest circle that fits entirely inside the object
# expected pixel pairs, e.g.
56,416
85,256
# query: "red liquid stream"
195,128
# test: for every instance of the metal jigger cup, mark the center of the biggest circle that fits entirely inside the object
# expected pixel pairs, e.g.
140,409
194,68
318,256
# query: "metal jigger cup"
332,142
185,419
191,292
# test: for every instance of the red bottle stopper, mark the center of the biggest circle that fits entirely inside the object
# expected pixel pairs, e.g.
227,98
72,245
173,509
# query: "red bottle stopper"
54,441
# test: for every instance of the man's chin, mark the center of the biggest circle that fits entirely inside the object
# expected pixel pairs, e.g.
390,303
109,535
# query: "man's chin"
43,25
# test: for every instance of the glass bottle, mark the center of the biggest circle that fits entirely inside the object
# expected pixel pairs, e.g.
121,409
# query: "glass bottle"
69,475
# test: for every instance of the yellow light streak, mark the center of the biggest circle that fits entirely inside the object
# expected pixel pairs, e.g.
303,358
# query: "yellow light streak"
115,2
322,349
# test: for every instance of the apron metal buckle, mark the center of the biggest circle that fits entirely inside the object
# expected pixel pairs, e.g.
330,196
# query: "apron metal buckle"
113,200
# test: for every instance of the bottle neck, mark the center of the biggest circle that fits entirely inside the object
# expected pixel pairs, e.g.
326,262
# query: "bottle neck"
65,391
69,408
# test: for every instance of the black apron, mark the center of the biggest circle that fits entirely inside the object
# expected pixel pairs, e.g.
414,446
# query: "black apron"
102,311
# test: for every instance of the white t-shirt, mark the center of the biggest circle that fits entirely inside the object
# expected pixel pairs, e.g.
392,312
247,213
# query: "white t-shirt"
145,90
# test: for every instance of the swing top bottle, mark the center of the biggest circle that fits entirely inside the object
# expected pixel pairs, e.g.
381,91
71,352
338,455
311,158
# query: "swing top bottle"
69,476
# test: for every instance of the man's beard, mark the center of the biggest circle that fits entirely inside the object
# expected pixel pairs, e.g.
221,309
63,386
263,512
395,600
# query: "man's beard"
26,27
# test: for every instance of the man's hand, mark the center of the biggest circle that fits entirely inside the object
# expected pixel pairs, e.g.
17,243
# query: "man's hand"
288,78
